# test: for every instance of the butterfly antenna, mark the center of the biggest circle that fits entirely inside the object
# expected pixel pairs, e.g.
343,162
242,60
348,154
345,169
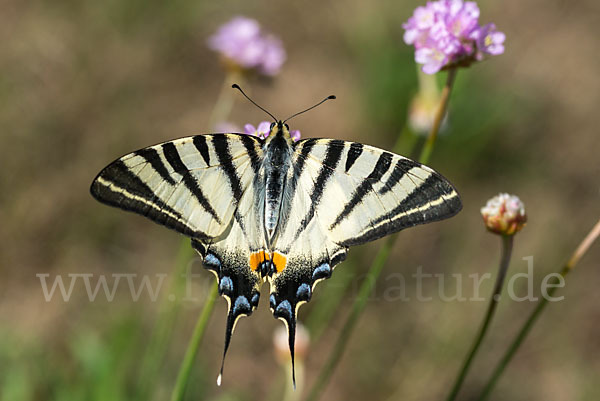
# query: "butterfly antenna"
330,97
236,86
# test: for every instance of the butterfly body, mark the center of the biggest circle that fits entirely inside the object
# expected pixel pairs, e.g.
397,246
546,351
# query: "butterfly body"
277,160
274,210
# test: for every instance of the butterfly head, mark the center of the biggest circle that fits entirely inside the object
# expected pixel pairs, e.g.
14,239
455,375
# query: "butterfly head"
280,128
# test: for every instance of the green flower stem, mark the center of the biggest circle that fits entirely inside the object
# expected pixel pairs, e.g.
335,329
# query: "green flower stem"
225,100
163,329
507,245
439,117
190,354
368,284
512,349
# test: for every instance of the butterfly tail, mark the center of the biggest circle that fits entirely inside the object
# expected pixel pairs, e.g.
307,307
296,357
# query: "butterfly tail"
292,340
231,320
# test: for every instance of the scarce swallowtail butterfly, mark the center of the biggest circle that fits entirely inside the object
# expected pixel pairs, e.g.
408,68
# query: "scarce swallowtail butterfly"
273,209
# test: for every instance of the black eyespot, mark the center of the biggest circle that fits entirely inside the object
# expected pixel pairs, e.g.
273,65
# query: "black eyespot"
287,127
272,125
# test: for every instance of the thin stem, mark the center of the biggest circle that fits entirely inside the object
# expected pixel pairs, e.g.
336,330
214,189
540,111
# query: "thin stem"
225,100
359,304
190,354
439,117
507,245
319,318
163,328
512,349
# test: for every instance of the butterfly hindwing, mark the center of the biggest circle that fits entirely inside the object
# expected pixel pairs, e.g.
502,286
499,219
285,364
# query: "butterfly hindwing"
343,194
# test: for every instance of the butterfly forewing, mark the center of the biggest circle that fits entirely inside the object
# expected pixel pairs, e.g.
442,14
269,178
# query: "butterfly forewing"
372,193
192,185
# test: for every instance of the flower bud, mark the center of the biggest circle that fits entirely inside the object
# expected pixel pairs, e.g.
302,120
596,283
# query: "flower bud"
504,214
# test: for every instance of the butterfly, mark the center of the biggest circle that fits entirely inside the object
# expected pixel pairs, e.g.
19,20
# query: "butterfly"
273,209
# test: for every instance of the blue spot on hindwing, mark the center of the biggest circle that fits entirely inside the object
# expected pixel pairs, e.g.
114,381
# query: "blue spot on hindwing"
241,305
303,292
284,310
226,285
322,271
255,299
212,262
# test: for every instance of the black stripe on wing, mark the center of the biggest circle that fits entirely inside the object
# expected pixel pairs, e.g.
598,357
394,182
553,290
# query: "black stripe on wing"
401,168
250,143
302,150
381,167
305,147
354,152
333,155
173,158
221,147
200,144
432,200
117,186
151,156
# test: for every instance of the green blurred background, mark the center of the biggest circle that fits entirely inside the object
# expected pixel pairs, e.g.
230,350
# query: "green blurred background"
82,82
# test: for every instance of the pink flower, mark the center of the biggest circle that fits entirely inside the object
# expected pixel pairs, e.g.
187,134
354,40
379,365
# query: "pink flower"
295,134
262,130
242,43
488,40
447,33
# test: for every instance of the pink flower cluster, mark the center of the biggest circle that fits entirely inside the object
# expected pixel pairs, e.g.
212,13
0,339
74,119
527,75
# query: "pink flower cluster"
243,43
264,129
447,33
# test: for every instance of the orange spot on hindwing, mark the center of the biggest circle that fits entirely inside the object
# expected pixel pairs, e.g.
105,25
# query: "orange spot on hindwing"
280,261
257,258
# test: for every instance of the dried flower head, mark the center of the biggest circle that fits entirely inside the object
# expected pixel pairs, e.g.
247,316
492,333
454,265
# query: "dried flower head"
281,343
244,46
446,33
263,129
504,214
